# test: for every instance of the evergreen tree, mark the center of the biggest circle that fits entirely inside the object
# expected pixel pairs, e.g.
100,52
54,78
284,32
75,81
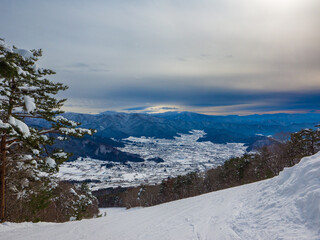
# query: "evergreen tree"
27,93
305,142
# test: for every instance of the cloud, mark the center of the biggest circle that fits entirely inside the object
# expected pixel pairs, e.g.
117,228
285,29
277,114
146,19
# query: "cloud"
252,55
81,66
135,108
199,98
182,59
151,109
169,108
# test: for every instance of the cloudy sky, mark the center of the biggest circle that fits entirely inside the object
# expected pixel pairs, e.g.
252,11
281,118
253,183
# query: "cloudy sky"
208,56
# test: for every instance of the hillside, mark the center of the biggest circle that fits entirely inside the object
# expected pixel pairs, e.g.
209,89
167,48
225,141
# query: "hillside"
284,207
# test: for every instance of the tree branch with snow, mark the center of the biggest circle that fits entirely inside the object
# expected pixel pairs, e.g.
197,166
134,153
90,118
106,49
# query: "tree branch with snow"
26,93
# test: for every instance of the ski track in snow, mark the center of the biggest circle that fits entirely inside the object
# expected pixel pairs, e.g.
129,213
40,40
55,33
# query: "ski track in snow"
284,207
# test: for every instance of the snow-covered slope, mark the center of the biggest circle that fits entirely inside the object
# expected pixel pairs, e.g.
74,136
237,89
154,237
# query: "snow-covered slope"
284,207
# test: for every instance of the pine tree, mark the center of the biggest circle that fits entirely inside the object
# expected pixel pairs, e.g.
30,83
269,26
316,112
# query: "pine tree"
26,93
306,142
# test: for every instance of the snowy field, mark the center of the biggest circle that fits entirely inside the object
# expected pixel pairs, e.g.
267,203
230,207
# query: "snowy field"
181,155
284,207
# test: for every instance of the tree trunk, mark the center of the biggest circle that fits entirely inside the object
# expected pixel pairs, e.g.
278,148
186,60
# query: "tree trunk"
3,180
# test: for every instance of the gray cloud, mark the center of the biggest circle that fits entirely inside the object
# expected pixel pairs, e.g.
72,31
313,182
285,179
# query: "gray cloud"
205,54
135,108
80,66
195,98
169,108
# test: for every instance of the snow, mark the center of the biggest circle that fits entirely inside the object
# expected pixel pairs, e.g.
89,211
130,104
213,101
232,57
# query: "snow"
35,151
50,162
73,191
45,137
24,129
68,131
4,125
102,149
37,68
26,157
181,155
284,207
29,103
26,54
28,88
184,149
61,155
21,72
63,119
5,46
34,162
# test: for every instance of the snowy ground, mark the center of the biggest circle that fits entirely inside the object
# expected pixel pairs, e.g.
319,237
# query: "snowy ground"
181,155
284,207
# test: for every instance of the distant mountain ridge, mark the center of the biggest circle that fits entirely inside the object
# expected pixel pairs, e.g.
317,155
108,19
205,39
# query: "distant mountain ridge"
114,126
219,129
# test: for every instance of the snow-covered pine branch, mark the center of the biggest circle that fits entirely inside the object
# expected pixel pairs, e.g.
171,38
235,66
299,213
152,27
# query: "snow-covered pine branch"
26,93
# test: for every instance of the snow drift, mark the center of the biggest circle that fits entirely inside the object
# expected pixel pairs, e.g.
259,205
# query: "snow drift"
284,207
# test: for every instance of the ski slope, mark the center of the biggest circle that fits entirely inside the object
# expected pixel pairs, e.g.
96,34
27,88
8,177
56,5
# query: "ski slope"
284,207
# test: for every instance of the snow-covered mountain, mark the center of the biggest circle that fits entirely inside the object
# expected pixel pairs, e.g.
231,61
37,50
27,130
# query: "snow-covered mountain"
284,207
141,137
219,129
251,130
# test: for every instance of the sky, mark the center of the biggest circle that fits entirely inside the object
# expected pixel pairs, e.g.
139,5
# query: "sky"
215,57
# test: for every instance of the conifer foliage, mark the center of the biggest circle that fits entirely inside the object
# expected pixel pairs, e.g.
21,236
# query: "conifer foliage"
24,157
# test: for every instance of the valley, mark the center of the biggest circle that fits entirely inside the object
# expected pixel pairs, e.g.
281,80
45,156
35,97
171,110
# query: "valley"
163,158
130,149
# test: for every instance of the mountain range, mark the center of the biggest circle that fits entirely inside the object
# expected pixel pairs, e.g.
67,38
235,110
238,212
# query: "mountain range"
219,129
111,127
